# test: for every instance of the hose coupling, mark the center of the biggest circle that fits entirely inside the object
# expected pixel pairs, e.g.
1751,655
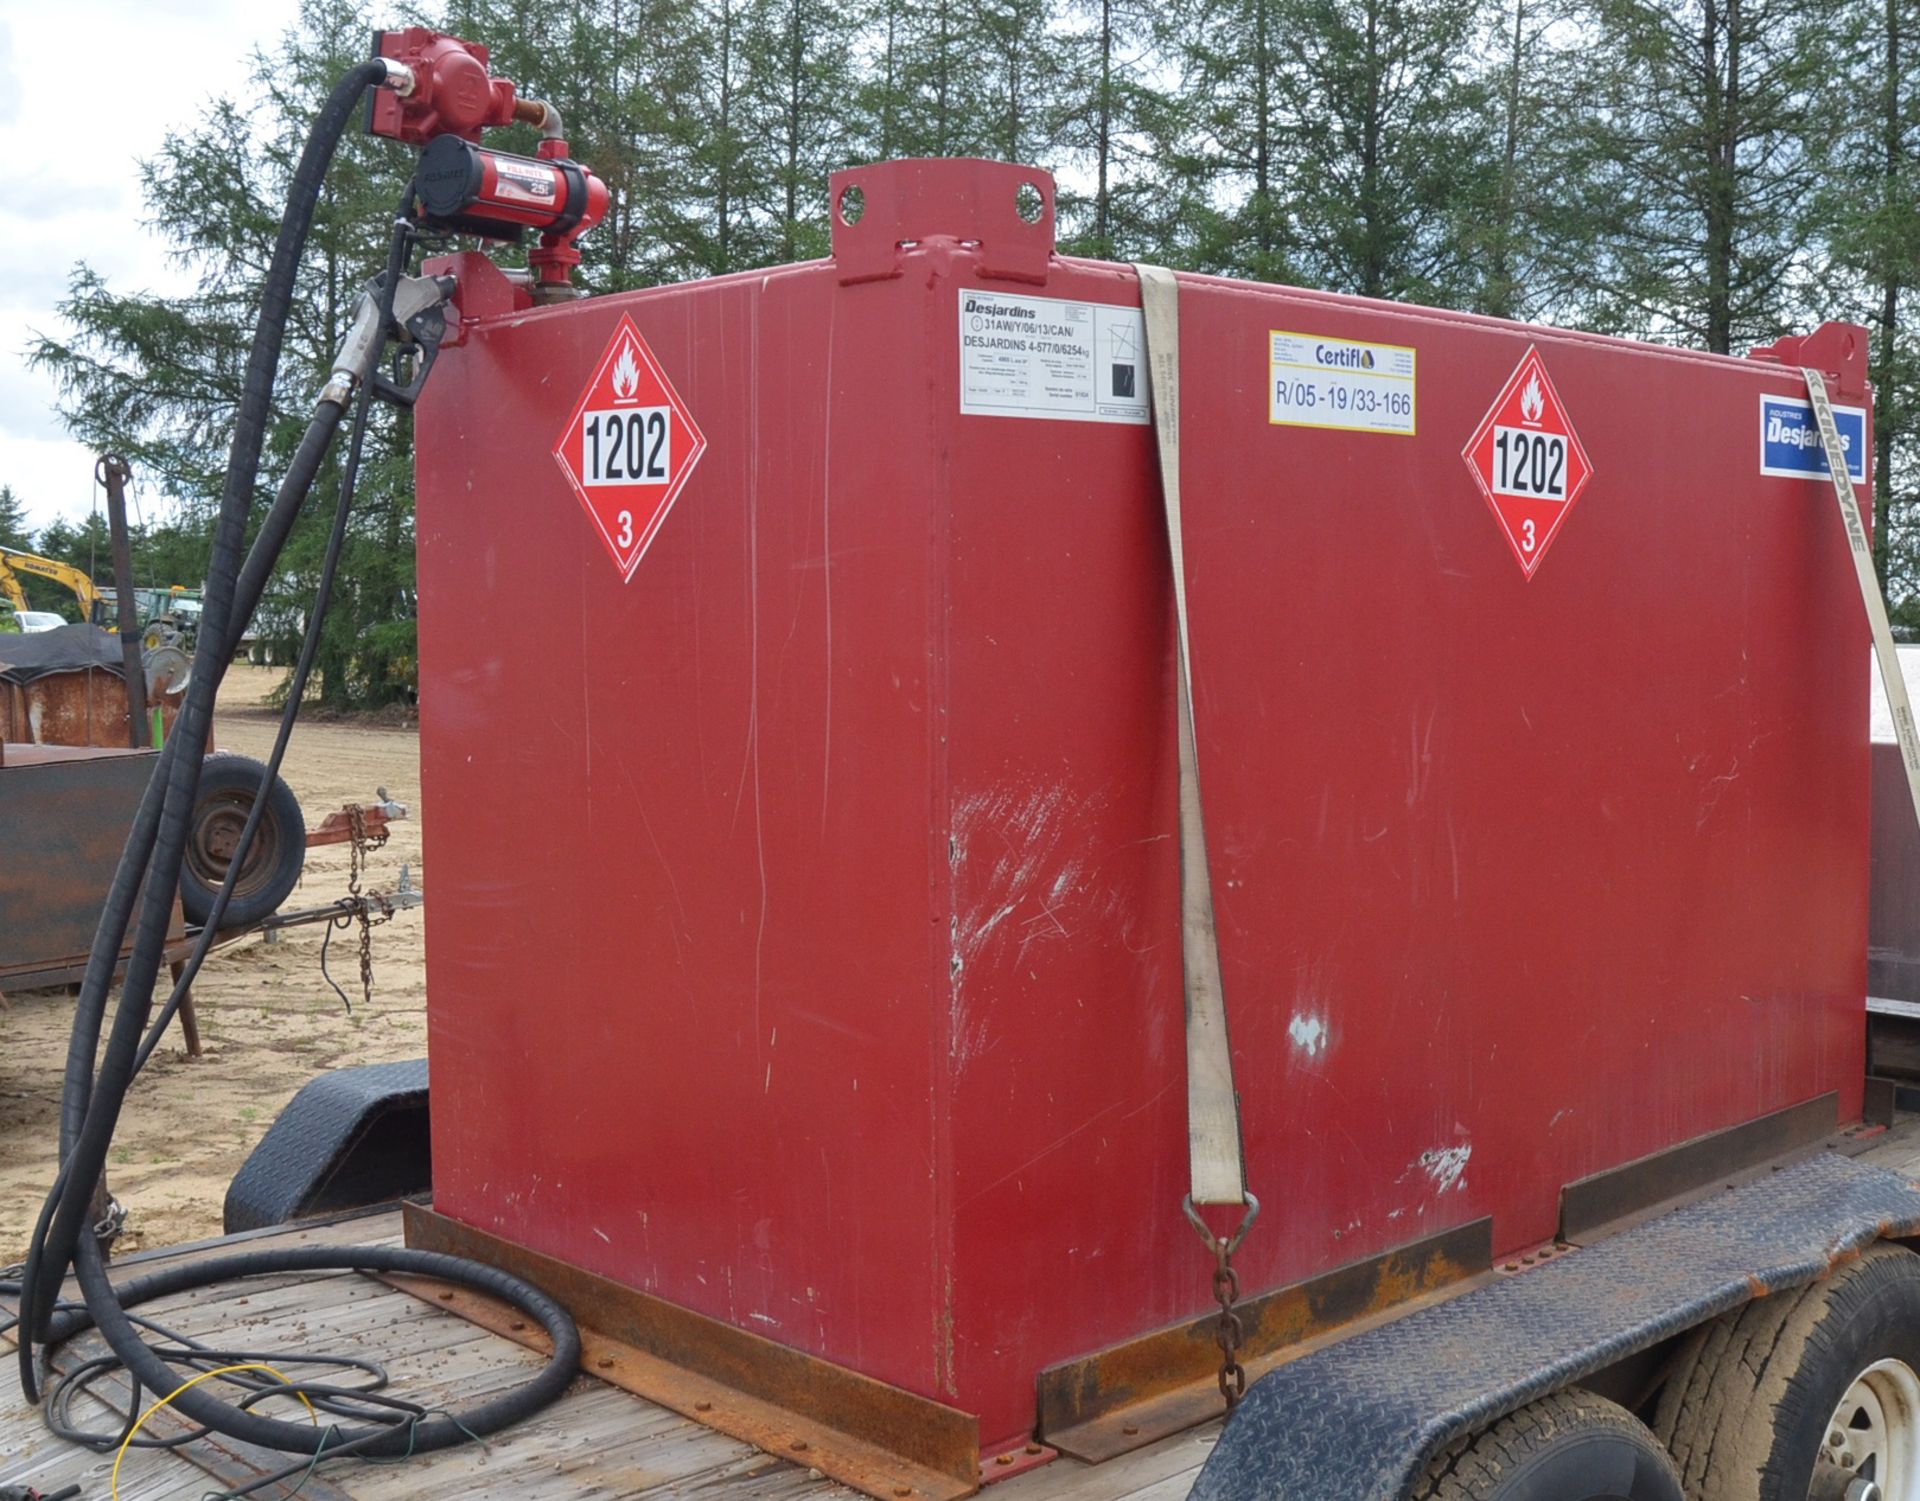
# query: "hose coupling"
401,79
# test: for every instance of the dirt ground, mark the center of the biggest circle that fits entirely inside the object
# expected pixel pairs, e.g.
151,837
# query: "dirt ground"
268,1020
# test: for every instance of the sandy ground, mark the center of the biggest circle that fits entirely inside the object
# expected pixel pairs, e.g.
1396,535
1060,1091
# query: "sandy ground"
268,1020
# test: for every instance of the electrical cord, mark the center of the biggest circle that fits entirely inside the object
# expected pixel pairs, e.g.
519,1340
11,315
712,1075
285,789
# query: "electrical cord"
152,858
120,1454
83,1380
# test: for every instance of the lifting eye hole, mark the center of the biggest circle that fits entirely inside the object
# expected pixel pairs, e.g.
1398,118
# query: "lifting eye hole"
852,204
1029,202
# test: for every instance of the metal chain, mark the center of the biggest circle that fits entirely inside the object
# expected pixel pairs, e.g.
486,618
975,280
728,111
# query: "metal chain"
359,843
107,1228
1227,1332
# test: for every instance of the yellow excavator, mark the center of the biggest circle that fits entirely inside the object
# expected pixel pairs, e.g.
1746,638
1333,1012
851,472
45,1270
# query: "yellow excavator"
93,604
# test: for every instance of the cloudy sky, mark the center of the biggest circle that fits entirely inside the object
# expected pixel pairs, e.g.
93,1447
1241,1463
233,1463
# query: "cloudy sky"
87,88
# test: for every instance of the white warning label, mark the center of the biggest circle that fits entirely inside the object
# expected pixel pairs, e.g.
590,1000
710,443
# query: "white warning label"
1041,357
1317,381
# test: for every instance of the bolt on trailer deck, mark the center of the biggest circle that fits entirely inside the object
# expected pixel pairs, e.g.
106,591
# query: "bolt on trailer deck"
857,1043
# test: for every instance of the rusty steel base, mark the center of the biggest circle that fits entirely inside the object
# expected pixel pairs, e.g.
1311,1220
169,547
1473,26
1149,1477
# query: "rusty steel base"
876,1438
1161,1383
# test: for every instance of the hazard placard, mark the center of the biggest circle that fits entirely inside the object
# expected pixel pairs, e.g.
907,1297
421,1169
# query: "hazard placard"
629,447
1528,461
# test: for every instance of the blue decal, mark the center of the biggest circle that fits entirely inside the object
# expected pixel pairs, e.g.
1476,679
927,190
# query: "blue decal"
1790,439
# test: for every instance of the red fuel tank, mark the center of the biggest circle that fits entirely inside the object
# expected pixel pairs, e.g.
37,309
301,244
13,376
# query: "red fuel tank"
798,719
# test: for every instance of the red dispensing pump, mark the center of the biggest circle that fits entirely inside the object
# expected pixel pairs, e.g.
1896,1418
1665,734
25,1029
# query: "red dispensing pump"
446,99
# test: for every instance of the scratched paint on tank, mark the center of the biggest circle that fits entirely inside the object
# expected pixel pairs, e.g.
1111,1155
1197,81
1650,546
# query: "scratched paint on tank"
835,988
681,983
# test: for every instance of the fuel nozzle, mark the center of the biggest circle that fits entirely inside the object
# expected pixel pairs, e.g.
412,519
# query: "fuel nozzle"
446,97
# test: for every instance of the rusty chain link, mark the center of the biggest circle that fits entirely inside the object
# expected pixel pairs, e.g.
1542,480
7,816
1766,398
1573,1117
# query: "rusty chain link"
1228,1332
359,845
357,907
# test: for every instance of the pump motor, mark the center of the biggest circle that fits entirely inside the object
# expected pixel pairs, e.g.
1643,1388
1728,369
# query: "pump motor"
496,195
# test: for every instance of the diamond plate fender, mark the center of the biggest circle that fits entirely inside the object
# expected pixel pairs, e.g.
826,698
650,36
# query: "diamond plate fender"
351,1137
1357,1420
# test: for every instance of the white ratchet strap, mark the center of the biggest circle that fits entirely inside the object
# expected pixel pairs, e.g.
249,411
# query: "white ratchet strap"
1215,1151
1883,649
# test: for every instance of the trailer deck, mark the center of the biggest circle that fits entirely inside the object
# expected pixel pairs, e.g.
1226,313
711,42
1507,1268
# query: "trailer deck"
598,1441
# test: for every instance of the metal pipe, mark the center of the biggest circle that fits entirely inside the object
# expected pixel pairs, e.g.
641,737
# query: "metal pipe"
113,473
539,112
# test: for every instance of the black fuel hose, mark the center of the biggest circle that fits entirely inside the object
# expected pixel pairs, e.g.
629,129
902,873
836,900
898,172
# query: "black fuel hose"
90,1012
399,243
107,1306
157,840
91,1104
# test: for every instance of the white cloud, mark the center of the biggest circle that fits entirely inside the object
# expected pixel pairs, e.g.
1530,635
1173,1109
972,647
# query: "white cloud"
9,78
79,195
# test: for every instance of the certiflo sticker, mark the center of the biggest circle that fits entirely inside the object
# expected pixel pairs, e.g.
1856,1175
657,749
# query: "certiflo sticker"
1790,439
1041,357
629,447
1319,381
1529,462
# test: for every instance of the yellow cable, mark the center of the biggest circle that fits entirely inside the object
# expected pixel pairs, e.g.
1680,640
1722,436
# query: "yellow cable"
225,1370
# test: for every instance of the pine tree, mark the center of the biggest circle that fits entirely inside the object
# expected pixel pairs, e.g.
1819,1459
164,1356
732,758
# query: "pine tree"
930,89
1388,137
1521,232
726,234
157,378
1111,105
800,73
14,531
1023,79
1696,192
1226,154
1869,207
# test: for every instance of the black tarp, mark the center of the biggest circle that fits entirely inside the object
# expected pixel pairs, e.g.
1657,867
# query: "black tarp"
67,648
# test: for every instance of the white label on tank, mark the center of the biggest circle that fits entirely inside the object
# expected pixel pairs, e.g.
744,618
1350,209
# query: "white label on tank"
1314,380
1042,357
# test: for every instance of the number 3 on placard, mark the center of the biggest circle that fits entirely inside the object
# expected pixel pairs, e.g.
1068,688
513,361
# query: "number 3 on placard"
1526,526
626,530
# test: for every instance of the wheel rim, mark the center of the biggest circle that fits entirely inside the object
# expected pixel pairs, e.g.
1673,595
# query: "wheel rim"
1874,1433
216,834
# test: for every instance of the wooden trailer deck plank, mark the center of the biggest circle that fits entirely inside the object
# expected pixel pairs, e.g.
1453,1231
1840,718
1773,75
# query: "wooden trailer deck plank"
597,1442
1898,1151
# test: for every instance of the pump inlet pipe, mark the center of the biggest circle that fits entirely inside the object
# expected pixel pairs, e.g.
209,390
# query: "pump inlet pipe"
425,88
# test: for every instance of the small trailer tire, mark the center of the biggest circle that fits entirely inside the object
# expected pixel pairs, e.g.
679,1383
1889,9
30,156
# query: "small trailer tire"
1571,1446
1805,1395
228,785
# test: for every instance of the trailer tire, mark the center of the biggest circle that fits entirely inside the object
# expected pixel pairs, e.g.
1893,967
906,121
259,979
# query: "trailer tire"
228,785
1758,1393
1571,1446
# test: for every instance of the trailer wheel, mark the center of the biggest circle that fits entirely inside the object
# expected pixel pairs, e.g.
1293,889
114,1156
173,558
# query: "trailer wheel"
228,785
1810,1395
1572,1446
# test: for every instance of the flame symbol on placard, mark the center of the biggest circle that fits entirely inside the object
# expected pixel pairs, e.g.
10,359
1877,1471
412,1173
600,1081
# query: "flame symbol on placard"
1532,403
626,375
